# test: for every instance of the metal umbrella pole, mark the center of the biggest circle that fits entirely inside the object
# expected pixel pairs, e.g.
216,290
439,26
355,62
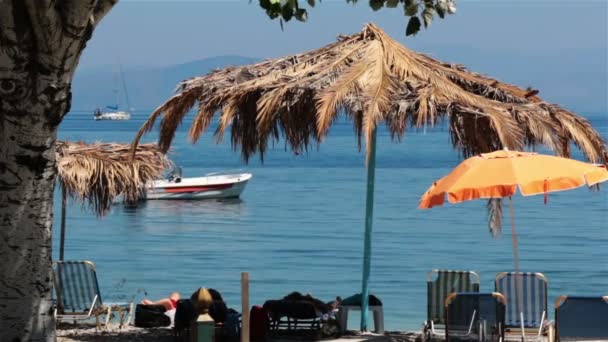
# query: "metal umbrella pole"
518,279
367,246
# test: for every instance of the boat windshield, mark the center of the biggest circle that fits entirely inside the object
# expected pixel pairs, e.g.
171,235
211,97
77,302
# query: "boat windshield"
174,174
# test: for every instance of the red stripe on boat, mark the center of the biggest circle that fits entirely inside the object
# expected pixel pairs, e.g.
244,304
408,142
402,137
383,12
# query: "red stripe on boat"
198,188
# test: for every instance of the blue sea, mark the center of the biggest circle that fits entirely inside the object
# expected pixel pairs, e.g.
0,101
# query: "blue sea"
299,226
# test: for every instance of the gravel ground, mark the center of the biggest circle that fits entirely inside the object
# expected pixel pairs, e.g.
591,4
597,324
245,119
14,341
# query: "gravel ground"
70,333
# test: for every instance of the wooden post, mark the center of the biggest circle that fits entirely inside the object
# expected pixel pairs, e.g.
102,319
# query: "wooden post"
245,306
204,329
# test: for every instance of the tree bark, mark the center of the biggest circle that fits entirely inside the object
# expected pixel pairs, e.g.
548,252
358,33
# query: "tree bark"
40,44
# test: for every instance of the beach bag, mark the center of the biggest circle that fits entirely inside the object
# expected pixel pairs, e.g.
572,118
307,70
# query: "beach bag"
232,325
331,329
151,316
218,310
258,323
185,313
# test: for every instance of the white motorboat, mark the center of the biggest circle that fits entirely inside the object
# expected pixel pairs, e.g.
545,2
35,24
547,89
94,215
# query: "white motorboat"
214,185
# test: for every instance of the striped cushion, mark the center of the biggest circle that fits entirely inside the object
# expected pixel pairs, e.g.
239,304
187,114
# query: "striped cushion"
76,285
534,293
446,283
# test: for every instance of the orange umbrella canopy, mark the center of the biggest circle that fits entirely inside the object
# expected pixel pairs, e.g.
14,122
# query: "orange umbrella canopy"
498,174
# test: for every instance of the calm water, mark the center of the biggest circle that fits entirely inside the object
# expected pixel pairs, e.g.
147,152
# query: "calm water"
299,227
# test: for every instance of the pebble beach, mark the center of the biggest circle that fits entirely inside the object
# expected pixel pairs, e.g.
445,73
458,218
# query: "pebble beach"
69,333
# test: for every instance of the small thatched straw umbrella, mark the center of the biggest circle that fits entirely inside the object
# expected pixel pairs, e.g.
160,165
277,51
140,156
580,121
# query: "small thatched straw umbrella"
96,174
373,79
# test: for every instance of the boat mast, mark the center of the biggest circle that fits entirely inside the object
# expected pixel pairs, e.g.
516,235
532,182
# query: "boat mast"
116,99
124,85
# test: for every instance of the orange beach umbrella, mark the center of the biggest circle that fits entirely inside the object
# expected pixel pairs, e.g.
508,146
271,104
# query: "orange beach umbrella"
500,173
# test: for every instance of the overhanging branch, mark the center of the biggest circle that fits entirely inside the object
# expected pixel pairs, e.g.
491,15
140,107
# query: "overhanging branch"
102,8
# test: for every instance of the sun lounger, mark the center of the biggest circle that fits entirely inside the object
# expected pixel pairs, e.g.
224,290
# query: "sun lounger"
440,283
473,316
581,318
290,314
532,316
78,296
296,310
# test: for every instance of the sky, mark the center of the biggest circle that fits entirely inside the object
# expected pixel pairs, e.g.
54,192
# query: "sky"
560,47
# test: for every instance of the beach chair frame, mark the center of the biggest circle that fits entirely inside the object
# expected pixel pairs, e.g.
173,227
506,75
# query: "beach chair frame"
96,308
434,326
499,297
291,324
560,301
542,326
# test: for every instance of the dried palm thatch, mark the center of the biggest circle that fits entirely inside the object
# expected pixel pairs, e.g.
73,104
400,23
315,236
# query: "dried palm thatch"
373,79
96,174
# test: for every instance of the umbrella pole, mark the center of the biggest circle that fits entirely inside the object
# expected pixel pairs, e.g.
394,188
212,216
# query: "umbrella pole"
63,204
518,280
367,247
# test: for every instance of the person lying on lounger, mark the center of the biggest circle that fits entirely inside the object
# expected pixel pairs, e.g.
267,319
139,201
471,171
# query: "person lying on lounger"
170,303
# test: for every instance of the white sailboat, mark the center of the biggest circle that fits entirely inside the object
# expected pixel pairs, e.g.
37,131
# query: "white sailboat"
113,112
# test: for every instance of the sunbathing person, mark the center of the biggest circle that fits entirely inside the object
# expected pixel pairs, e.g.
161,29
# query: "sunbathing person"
169,303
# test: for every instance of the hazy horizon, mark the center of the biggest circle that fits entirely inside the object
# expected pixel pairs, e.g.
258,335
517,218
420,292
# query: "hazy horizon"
558,47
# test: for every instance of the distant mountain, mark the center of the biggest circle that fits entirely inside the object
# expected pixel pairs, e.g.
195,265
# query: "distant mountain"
147,87
568,80
576,85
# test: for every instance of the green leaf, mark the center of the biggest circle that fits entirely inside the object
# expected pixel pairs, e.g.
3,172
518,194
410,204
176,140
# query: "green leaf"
265,4
287,12
311,3
301,14
427,16
413,26
411,8
273,13
273,8
392,3
376,4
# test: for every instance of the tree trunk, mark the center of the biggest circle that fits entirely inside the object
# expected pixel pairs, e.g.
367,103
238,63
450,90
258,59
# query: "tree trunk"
40,45
27,177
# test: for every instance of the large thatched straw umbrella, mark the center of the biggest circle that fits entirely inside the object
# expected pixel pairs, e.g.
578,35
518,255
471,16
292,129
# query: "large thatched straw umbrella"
373,79
96,174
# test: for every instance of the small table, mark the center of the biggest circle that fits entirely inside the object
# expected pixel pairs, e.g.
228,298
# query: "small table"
376,309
